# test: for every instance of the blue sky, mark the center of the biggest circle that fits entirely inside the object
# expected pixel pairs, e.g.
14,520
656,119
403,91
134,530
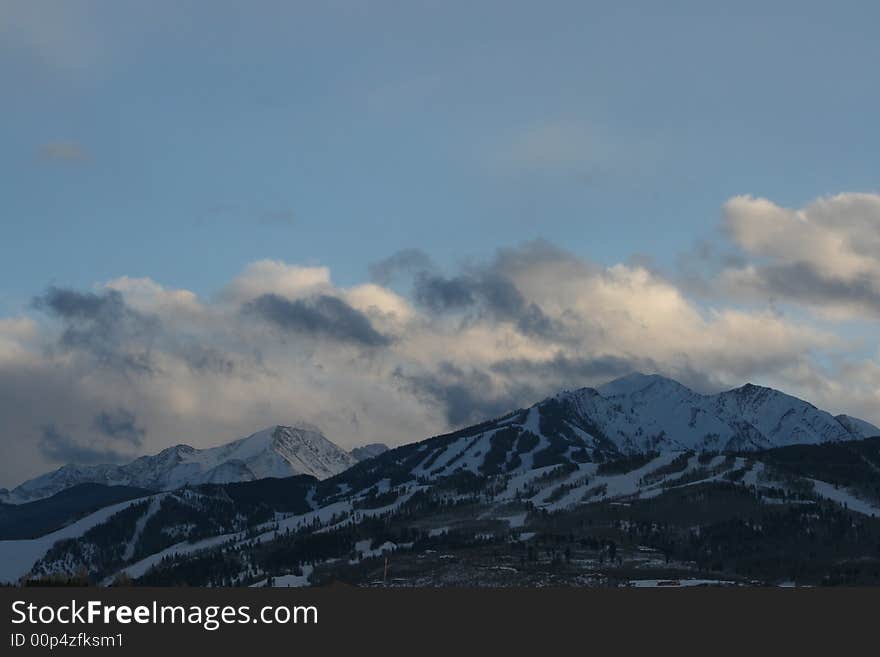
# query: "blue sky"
196,195
212,134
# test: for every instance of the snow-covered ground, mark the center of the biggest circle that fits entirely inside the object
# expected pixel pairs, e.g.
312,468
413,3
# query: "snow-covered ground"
155,503
843,497
363,549
18,557
138,568
279,451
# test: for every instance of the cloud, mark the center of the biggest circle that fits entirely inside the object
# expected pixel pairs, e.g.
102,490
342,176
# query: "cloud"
73,304
407,261
133,366
440,294
491,292
104,326
63,151
379,303
321,316
466,395
825,255
147,296
571,373
275,277
120,424
59,447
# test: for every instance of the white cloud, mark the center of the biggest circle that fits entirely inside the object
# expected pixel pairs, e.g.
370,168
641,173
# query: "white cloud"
825,255
275,277
147,295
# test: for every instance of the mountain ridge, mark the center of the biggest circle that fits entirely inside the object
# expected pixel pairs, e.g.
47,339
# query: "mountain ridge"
278,451
635,414
641,465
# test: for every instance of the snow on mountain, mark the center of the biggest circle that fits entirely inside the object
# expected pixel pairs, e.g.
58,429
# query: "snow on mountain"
576,447
632,415
656,412
858,427
279,451
18,557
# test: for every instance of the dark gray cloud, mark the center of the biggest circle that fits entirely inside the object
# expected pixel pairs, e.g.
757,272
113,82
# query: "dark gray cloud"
59,447
466,396
104,326
120,424
489,293
439,294
208,359
500,296
70,304
319,316
804,283
534,322
485,291
570,373
494,293
524,258
407,261
562,372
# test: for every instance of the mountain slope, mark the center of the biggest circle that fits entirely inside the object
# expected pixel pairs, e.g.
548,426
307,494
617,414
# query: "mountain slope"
743,517
43,516
279,451
749,417
369,451
639,463
857,427
637,414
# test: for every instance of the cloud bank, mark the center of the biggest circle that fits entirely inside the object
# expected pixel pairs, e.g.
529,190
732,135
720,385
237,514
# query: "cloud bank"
133,366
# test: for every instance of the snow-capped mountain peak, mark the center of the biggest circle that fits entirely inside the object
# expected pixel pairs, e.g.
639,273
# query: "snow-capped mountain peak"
278,451
747,417
636,414
637,382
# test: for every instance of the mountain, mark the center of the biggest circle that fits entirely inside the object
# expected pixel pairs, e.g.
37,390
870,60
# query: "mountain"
857,427
801,514
637,414
48,514
369,451
636,482
279,451
657,412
